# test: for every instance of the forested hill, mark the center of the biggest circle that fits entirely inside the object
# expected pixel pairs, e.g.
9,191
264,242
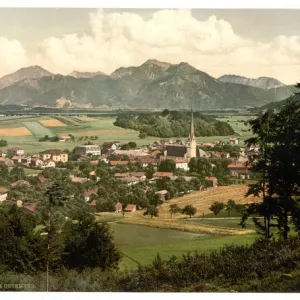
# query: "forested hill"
173,124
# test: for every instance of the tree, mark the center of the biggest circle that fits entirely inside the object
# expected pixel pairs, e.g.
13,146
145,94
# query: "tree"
89,245
142,135
230,206
165,112
152,211
21,245
149,171
189,210
216,207
53,211
278,165
167,165
3,143
174,209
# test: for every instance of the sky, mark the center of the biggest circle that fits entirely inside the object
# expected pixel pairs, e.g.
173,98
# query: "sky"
250,43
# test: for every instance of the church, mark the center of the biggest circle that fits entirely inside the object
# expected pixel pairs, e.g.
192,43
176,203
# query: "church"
187,151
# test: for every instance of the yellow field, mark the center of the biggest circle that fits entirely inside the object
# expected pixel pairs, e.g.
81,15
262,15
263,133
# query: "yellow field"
52,123
202,200
18,131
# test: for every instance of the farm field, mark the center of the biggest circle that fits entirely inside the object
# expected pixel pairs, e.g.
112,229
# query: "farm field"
202,200
37,129
52,123
84,127
15,131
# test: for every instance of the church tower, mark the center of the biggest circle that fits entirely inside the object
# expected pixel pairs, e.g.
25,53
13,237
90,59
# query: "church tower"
191,143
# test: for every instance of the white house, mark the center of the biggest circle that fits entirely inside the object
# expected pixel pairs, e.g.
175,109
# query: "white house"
3,193
181,163
48,163
88,149
233,141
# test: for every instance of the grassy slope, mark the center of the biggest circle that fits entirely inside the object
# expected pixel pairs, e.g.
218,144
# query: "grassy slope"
146,254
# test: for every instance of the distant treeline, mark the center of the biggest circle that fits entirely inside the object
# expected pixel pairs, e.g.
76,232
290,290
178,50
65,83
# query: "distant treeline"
173,124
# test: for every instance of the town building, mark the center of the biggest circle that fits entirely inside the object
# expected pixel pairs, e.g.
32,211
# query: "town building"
118,207
7,162
237,169
233,141
36,162
88,150
88,193
111,145
49,163
163,195
15,151
187,150
55,155
19,182
130,208
64,138
3,193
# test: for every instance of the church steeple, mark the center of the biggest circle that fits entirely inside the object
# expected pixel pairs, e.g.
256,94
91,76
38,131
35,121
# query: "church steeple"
191,148
192,128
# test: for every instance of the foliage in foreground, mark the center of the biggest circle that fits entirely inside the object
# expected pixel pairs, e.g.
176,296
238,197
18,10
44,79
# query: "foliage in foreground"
219,270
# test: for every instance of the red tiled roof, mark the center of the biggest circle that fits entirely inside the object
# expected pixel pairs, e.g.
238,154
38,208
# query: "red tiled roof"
137,174
93,203
210,178
237,166
19,182
119,162
41,179
31,208
163,174
155,153
130,207
79,179
94,162
16,157
121,174
90,192
179,160
53,152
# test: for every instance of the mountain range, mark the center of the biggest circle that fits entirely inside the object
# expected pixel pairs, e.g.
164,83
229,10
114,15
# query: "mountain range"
153,84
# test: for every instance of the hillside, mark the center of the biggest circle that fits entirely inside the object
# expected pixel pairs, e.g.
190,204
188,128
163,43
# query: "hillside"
153,84
278,104
261,82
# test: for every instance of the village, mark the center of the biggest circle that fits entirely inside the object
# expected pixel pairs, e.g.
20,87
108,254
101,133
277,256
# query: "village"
129,164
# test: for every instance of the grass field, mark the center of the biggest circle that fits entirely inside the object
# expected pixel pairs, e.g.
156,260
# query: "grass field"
102,127
37,129
140,244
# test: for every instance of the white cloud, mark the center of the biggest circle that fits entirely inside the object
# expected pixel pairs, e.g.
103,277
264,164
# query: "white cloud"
126,39
12,56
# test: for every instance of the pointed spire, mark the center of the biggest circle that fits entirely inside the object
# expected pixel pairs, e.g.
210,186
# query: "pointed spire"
192,128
